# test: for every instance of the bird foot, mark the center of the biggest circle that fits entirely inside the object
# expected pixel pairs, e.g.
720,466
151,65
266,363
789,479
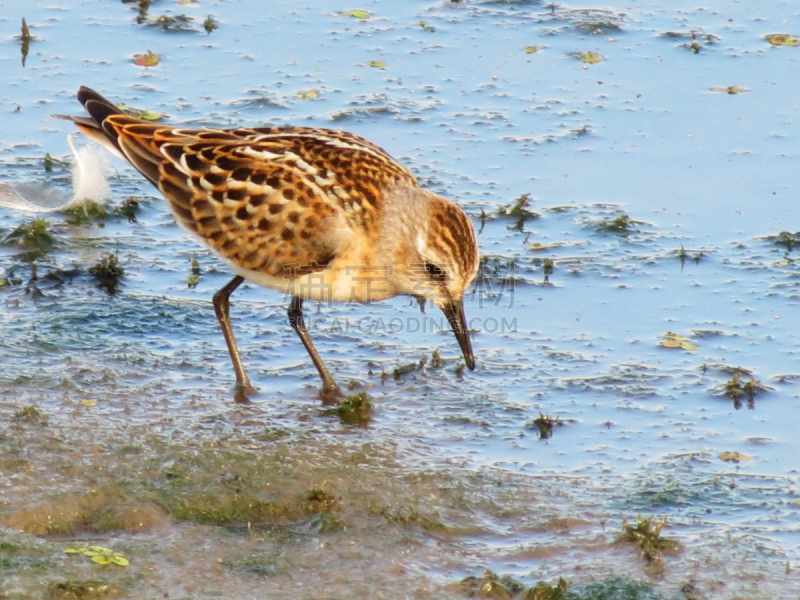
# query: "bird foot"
243,394
331,395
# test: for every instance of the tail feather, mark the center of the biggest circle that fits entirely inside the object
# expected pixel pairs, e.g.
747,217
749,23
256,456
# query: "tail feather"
99,108
94,127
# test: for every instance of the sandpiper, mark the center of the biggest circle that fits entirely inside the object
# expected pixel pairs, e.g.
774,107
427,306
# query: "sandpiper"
316,214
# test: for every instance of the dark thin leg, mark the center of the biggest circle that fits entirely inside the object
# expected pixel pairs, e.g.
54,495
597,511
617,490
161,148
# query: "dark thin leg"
221,307
330,391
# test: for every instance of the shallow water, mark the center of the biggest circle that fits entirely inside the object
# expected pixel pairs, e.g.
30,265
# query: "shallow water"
480,120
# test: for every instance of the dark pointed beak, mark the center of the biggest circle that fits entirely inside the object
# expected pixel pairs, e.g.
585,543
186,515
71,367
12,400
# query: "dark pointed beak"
454,311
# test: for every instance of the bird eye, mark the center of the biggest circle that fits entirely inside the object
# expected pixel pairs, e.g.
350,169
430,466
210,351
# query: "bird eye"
435,272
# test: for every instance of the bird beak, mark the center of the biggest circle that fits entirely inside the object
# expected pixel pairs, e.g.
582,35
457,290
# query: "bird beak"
454,311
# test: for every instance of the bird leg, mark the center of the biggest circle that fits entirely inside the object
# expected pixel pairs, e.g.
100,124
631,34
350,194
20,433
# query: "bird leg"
330,393
221,307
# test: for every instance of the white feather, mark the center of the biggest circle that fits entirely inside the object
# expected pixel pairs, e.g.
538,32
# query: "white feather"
89,182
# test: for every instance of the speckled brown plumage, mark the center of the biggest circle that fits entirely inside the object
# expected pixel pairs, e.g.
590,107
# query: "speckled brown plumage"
262,197
315,213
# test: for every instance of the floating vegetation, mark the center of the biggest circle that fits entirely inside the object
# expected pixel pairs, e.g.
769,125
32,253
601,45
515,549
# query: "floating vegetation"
194,276
129,208
25,35
101,555
107,273
342,115
781,39
533,49
142,7
735,457
307,94
149,59
519,210
619,588
356,14
539,247
646,535
87,211
547,269
545,591
673,340
737,390
403,370
25,40
622,224
595,21
695,37
590,58
544,424
90,211
355,410
34,237
180,23
408,518
31,415
210,24
683,255
175,23
378,64
90,589
785,238
144,114
491,585
319,500
497,276
731,89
